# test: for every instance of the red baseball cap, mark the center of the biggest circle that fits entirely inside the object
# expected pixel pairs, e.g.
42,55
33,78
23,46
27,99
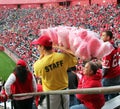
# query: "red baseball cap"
43,40
21,62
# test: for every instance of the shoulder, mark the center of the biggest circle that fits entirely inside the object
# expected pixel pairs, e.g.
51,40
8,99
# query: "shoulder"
12,75
91,82
37,63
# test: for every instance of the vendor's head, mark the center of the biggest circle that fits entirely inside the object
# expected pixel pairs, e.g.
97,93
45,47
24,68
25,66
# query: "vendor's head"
43,42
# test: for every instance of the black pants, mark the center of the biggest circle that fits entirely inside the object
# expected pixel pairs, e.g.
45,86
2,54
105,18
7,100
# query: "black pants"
23,104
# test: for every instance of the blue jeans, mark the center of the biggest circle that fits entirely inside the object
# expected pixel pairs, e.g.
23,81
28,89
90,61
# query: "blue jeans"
79,106
111,82
73,100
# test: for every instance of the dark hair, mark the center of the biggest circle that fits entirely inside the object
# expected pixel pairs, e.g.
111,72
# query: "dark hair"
83,63
109,33
71,69
48,47
21,73
93,67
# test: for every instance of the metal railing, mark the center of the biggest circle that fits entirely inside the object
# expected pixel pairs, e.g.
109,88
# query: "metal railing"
97,90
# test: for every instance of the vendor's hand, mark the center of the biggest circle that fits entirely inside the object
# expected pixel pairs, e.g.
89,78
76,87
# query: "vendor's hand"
64,50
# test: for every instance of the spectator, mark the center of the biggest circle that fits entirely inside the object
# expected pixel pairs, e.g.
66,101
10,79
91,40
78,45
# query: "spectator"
91,78
39,89
21,81
3,96
0,85
52,68
72,84
110,65
28,22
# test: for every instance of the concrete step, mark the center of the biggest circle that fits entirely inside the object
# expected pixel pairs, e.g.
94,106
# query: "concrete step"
113,103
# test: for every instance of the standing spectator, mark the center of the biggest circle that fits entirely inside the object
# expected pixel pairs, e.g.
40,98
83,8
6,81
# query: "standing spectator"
0,85
91,78
110,64
52,68
3,96
39,89
72,84
21,81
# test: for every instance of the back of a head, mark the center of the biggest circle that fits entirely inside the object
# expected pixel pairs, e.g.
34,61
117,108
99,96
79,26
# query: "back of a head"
71,69
93,66
110,34
45,41
21,62
21,70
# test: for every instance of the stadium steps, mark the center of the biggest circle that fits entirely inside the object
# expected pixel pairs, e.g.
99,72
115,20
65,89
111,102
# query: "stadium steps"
113,103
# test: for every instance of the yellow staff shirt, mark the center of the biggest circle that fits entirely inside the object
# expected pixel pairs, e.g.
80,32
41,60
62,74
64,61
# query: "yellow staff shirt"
53,70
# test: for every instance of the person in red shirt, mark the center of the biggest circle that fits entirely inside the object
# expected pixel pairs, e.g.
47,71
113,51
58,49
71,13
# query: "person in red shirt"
21,81
3,96
110,65
91,78
39,89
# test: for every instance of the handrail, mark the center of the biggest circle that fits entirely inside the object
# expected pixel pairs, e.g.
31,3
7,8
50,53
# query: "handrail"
97,90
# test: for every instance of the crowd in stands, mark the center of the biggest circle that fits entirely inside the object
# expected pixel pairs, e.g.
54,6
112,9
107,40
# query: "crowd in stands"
18,27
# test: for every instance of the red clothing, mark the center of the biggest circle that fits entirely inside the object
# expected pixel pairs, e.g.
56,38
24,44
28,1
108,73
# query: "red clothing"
25,87
91,101
111,62
3,96
39,89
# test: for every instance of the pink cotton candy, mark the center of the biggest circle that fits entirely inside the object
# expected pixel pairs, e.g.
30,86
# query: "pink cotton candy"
44,32
93,46
51,33
82,34
76,43
84,43
53,36
104,50
82,51
71,41
63,38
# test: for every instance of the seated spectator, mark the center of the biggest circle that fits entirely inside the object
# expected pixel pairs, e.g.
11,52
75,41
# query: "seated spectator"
21,81
91,77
